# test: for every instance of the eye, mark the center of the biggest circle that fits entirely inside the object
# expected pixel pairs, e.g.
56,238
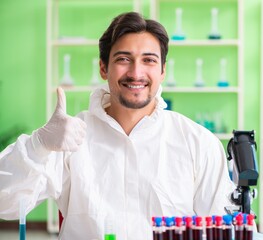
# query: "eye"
150,60
122,59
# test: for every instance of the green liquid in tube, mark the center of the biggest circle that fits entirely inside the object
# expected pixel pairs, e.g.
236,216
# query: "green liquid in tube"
109,237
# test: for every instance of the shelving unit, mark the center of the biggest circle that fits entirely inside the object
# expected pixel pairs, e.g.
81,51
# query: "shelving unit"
163,10
62,37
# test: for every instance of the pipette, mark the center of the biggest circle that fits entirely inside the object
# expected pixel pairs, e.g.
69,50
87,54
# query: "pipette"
22,220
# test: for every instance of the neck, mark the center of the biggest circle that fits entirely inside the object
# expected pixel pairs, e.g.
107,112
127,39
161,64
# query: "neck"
127,117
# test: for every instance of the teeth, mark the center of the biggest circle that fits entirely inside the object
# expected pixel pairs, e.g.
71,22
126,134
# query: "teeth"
136,86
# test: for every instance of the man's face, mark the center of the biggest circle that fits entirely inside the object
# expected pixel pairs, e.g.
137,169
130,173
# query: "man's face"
134,72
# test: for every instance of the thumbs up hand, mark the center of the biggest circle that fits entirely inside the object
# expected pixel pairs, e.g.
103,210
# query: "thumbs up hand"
62,132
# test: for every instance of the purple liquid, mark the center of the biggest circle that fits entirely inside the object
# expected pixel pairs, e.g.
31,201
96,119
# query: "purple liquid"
239,234
209,234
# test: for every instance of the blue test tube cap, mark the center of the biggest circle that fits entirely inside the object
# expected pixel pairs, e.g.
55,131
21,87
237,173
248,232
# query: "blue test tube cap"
169,221
183,218
227,219
193,218
245,218
158,221
214,219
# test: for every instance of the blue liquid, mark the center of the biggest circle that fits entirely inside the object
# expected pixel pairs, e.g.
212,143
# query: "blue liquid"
222,84
22,231
178,37
214,36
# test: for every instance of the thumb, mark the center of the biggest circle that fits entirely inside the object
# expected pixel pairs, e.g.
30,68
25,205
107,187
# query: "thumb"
61,101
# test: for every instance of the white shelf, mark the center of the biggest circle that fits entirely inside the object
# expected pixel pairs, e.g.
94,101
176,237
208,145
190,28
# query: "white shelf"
201,89
205,43
89,88
93,42
74,42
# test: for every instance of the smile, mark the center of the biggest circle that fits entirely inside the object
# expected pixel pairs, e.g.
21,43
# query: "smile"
135,86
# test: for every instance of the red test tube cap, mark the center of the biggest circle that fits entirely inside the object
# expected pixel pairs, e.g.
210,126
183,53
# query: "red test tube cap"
198,221
209,221
250,219
219,220
239,219
178,221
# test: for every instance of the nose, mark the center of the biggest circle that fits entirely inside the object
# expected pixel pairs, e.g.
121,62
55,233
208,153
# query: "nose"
136,71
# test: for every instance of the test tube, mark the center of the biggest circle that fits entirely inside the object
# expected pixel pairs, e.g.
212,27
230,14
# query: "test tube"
219,228
109,231
153,226
158,233
249,227
227,230
22,220
239,227
188,228
198,228
209,228
178,228
244,223
169,232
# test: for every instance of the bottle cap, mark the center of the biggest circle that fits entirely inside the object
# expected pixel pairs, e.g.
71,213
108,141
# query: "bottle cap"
158,221
239,219
218,220
209,221
178,221
198,221
227,219
250,219
169,222
188,221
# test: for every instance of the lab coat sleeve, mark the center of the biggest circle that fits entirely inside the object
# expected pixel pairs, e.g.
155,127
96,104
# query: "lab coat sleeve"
213,185
36,176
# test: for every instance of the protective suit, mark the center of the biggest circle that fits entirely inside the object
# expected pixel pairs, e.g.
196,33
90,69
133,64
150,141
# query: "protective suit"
167,166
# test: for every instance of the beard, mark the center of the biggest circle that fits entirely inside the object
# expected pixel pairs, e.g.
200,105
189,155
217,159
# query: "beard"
134,104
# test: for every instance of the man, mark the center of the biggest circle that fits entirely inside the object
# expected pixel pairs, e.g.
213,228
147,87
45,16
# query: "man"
126,159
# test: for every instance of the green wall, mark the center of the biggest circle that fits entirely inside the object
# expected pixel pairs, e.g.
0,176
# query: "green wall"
23,65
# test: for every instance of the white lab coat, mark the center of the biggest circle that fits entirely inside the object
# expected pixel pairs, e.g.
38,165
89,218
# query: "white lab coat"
167,166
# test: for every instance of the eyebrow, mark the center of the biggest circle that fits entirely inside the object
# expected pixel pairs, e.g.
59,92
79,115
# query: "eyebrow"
128,53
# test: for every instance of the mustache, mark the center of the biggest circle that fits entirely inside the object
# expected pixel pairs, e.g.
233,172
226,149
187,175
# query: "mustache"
130,80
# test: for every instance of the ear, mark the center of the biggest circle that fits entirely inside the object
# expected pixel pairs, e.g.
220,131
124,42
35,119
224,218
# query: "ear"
163,73
103,70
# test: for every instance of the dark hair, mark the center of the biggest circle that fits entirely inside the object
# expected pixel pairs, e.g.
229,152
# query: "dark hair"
131,22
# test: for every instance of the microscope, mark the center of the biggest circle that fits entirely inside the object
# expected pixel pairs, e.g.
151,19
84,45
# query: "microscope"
242,150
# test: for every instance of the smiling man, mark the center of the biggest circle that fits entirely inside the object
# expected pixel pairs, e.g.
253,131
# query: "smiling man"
125,159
